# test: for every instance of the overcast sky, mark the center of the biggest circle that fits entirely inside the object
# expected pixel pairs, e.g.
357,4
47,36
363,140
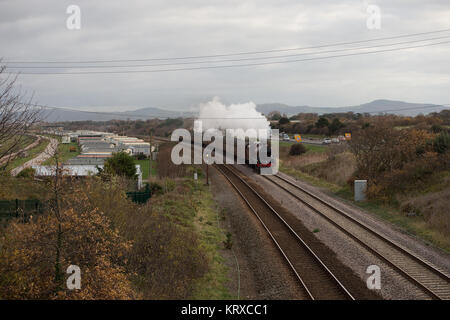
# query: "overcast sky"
117,30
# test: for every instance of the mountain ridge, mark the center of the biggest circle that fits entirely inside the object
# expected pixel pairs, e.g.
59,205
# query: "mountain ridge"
374,107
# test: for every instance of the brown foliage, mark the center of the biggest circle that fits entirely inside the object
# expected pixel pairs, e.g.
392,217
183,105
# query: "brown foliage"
393,160
165,258
29,256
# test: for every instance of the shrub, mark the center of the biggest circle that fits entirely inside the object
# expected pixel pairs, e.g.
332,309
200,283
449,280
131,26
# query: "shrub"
436,128
335,125
140,156
297,149
228,243
322,122
155,188
121,164
35,255
27,173
284,120
442,143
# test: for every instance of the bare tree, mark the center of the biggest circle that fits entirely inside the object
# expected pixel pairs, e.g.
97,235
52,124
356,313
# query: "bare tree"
17,116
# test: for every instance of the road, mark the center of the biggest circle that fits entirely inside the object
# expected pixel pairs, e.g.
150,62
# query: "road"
306,141
46,154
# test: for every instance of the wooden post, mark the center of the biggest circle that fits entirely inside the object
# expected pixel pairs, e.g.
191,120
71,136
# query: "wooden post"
150,159
207,171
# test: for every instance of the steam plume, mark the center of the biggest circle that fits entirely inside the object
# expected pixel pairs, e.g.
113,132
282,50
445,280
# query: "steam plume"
216,115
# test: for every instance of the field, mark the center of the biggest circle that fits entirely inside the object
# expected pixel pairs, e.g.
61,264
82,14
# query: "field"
285,145
64,152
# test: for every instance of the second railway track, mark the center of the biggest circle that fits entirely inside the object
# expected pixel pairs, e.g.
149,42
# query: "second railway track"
316,279
433,282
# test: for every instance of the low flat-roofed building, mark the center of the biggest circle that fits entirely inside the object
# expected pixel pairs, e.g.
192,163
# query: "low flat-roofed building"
65,139
79,171
67,170
139,148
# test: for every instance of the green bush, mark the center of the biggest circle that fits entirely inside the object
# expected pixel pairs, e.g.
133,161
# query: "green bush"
228,243
297,149
284,120
121,164
156,188
442,143
27,173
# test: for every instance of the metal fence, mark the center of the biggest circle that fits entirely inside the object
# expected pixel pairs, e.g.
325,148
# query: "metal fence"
22,209
140,196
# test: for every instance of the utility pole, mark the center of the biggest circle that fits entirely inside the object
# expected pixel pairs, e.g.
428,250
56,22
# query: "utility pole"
207,171
150,158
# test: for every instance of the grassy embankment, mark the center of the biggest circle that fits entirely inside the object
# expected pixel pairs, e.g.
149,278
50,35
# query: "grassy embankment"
190,205
190,251
25,141
315,168
30,154
213,285
193,207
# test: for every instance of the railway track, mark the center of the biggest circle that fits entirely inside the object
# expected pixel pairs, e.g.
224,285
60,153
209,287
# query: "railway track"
315,278
433,282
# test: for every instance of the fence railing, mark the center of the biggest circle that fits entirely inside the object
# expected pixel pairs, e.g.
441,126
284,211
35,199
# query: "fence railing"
24,209
17,208
140,196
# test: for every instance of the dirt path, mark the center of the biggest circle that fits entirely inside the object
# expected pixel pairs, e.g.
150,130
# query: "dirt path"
46,154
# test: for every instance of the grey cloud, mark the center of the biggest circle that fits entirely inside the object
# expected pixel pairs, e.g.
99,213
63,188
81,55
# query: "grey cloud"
146,29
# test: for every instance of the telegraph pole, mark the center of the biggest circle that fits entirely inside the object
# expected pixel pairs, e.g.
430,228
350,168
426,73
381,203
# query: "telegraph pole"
150,159
207,171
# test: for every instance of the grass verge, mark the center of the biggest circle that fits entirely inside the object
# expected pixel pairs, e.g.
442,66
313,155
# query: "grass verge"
211,236
30,155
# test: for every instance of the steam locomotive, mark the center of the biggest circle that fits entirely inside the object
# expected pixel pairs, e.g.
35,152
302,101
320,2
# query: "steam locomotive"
251,148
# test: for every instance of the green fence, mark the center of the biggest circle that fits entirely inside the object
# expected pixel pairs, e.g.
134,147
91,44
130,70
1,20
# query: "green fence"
140,196
22,209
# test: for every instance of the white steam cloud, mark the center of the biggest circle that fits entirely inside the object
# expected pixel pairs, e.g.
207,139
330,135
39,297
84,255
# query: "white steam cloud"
216,115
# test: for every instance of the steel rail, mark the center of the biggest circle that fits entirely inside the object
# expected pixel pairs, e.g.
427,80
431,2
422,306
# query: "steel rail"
391,243
304,244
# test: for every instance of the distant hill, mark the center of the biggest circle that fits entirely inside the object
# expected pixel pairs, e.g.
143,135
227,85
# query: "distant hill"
55,115
374,107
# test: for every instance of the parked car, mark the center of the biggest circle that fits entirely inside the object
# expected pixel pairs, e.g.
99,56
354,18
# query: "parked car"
286,137
326,141
335,140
